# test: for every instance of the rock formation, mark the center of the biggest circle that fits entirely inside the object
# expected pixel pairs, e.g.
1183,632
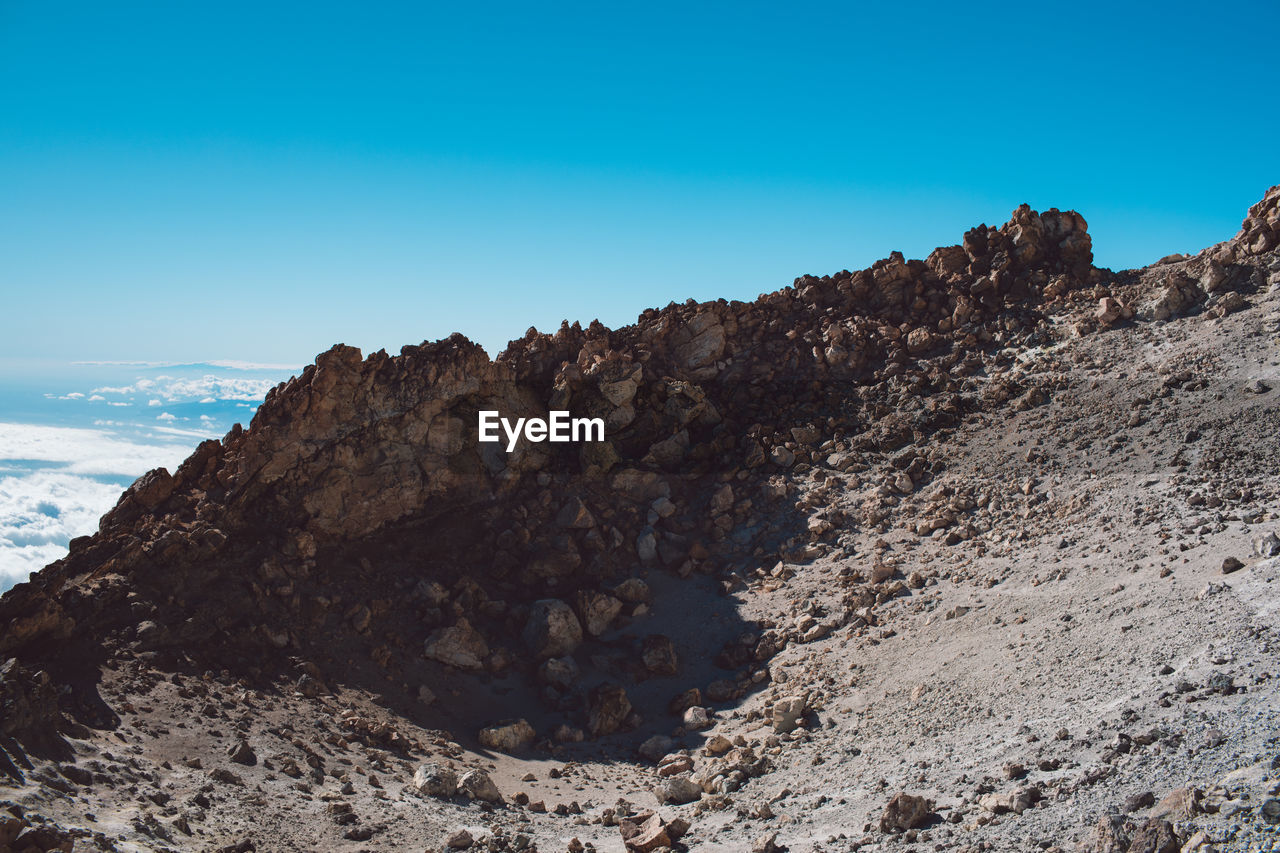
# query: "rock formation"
356,538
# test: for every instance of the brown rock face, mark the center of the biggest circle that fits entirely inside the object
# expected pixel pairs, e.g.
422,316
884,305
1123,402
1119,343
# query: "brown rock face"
1155,836
359,509
1260,231
28,703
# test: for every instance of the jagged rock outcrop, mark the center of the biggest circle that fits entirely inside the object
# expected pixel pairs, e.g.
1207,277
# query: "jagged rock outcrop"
359,502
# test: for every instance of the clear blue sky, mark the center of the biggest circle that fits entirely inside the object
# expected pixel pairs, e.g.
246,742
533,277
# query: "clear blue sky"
260,180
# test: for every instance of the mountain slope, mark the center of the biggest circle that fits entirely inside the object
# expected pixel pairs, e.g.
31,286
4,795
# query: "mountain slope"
936,511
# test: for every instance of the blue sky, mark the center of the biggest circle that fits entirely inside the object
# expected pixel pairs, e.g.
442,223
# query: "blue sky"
196,199
193,182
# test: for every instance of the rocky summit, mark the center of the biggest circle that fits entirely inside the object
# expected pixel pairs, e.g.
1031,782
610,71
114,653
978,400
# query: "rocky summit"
975,552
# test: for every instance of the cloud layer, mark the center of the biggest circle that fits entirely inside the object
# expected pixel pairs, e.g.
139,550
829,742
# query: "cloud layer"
56,482
86,451
78,447
40,512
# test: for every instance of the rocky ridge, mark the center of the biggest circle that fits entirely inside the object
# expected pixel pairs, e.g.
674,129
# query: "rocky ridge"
356,540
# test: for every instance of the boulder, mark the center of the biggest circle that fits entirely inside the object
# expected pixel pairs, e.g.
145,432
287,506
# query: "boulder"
1109,836
562,673
1267,545
633,591
1017,800
459,840
575,515
678,790
552,629
608,710
659,655
28,704
1109,310
1179,295
696,718
705,344
597,610
1155,836
656,747
1178,804
241,753
434,780
508,736
906,811
787,712
459,646
477,785
644,833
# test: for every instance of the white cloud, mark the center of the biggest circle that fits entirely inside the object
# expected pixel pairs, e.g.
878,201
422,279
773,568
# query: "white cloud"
154,403
40,512
96,397
207,388
229,364
42,509
165,416
186,433
87,451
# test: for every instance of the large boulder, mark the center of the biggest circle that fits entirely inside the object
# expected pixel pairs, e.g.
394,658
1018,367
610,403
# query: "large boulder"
608,710
905,811
1179,295
1155,836
434,780
597,610
678,790
477,785
787,713
460,646
647,832
508,736
552,629
659,655
562,673
28,704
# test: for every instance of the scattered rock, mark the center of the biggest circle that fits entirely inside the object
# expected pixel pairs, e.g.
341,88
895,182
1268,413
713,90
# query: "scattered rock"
1179,804
459,840
434,780
1155,836
477,785
508,736
659,655
241,753
787,713
609,709
644,833
1017,801
906,811
552,629
460,646
678,790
